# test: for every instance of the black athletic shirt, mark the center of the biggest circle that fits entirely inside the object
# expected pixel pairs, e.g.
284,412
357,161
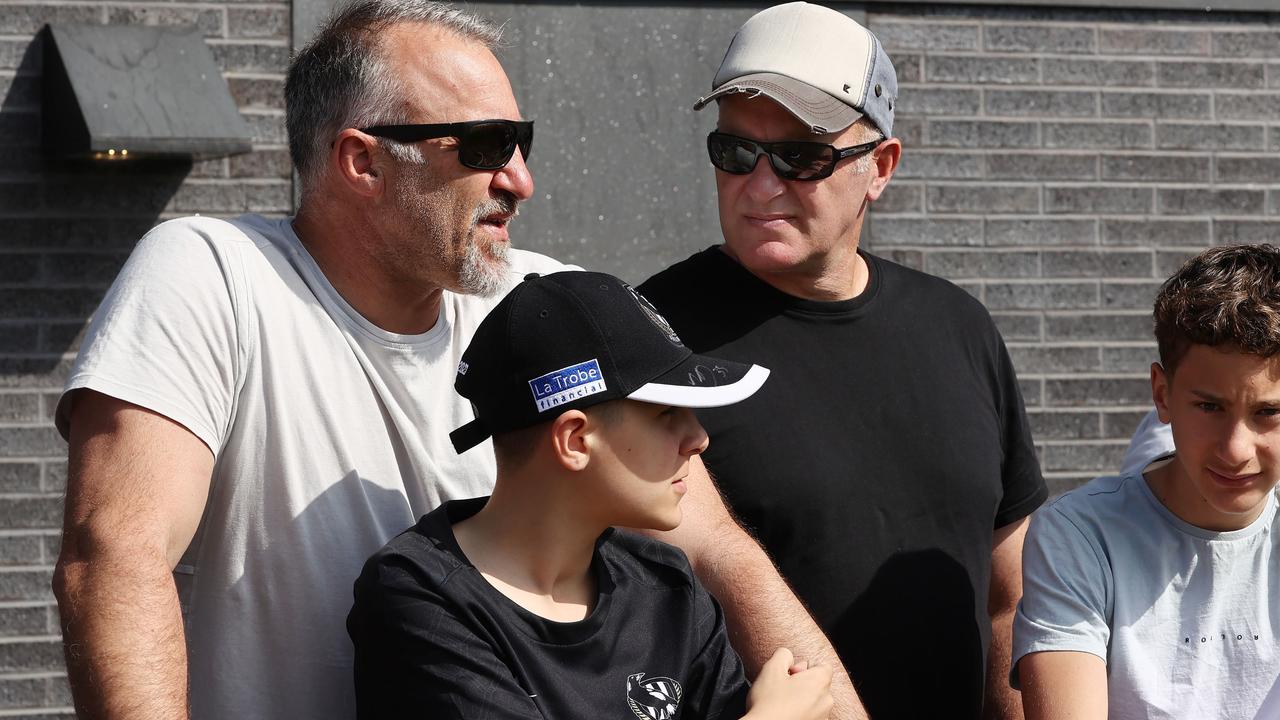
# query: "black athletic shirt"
887,445
435,640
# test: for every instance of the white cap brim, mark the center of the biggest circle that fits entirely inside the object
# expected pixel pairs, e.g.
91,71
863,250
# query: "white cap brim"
703,382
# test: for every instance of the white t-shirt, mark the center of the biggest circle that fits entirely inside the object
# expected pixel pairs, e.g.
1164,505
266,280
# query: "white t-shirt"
1151,441
1185,618
330,437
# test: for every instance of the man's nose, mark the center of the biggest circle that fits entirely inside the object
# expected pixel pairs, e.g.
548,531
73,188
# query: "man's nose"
515,177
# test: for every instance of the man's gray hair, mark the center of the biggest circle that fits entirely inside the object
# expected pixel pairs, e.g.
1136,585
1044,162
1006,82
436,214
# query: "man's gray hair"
341,79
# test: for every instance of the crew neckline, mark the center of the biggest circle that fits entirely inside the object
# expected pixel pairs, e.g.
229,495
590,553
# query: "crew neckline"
1263,520
329,295
854,306
533,625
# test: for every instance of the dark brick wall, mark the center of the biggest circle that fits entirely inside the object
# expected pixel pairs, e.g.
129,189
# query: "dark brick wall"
1059,163
65,228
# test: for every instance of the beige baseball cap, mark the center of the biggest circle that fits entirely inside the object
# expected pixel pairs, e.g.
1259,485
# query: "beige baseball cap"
819,64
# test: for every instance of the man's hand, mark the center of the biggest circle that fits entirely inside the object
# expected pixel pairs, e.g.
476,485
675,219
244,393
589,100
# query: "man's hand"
761,611
136,488
789,690
1063,685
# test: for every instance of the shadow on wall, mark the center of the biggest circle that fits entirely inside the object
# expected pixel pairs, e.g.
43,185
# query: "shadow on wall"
66,227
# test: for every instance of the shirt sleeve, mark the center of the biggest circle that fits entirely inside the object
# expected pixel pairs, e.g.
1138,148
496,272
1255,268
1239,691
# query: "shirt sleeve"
717,686
166,336
1066,591
1024,488
1151,441
416,658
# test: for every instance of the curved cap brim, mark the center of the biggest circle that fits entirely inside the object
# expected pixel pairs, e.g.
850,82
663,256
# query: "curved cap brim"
817,109
702,382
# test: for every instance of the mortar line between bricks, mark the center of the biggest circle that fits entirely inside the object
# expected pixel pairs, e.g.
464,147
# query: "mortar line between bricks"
17,639
149,4
36,712
1096,312
250,75
1106,57
20,604
1082,441
32,675
1080,411
1096,375
1055,344
268,42
29,496
1046,87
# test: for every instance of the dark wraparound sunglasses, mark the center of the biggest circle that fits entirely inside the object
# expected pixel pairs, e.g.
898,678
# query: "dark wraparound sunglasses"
482,144
790,159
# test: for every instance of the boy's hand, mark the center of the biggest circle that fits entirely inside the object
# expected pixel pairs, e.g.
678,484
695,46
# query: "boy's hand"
787,689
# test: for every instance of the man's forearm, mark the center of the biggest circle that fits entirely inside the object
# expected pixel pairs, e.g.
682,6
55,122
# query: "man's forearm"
1002,701
763,614
123,636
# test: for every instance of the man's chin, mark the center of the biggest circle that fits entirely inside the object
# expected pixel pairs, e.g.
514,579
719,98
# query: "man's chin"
486,278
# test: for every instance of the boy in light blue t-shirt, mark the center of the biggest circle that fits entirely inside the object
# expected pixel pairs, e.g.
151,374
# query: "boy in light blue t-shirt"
1155,594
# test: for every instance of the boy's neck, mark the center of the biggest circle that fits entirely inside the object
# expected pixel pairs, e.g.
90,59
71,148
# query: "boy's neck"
1169,483
529,544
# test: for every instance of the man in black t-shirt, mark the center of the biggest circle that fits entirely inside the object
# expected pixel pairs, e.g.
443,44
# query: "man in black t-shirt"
888,467
527,604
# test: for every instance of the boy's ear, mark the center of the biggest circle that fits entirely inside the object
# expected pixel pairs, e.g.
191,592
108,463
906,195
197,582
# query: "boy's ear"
1160,391
569,439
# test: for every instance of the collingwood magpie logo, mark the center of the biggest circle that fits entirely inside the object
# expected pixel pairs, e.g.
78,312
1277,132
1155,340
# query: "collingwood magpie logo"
653,699
654,316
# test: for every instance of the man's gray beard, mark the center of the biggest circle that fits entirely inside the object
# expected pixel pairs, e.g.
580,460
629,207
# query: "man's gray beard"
480,275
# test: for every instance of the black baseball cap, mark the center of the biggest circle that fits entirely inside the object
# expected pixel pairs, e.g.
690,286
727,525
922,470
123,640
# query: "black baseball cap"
571,340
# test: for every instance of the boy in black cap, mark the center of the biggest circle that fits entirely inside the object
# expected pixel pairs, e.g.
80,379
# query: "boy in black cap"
528,603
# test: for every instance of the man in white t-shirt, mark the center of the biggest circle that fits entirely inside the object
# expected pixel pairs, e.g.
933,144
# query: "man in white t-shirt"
1152,594
260,404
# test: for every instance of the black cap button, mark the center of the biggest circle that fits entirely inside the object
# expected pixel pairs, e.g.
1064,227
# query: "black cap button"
531,276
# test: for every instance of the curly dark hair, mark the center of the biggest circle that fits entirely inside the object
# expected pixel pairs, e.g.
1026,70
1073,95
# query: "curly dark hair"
1225,297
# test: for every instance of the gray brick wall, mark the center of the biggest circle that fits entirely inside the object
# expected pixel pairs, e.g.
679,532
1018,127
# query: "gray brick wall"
1068,161
1059,163
65,228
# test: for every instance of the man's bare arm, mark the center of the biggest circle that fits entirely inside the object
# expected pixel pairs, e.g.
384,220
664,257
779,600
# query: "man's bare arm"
1063,685
1002,701
136,488
761,611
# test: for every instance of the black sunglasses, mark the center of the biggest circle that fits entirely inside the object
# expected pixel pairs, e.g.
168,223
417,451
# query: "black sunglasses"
482,144
790,159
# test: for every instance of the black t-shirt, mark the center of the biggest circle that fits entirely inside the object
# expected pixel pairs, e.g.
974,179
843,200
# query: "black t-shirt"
887,445
434,639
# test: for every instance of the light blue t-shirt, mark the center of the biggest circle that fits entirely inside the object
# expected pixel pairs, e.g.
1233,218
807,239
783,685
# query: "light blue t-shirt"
1185,618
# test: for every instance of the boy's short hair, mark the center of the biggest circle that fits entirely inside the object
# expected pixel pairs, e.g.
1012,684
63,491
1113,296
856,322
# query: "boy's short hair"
1226,297
514,448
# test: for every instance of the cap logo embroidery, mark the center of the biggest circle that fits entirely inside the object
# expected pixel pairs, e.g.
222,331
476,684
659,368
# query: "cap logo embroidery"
654,316
463,367
653,699
567,384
